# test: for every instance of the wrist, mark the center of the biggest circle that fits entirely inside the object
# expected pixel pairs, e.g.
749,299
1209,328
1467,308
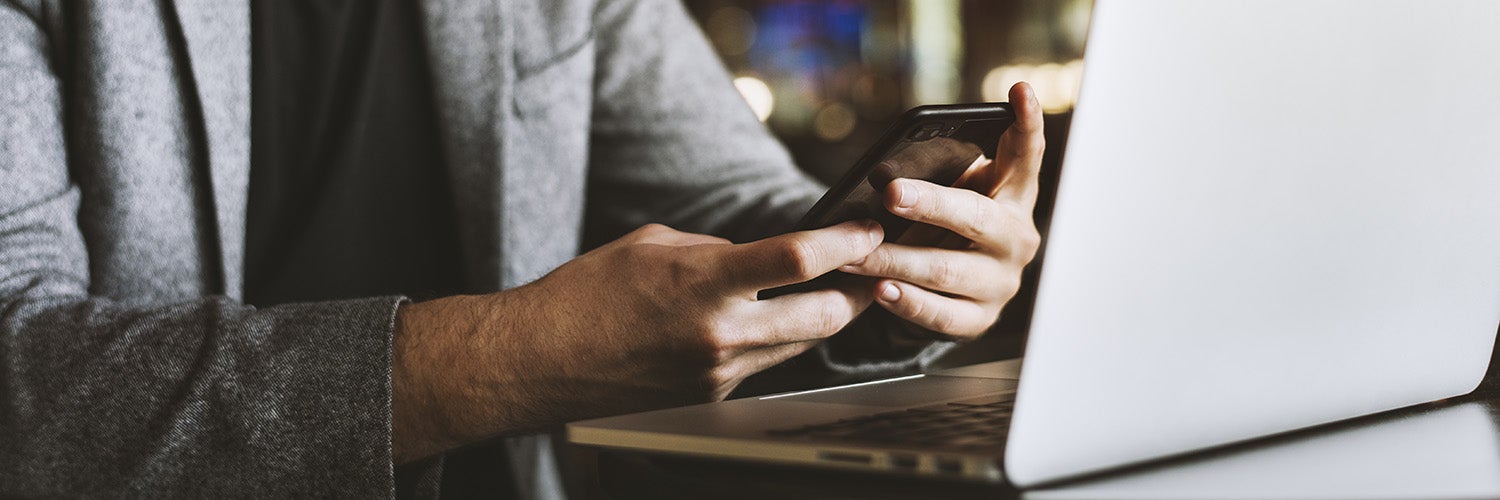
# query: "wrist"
421,420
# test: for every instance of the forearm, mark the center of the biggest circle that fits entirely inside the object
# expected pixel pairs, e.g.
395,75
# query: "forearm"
200,398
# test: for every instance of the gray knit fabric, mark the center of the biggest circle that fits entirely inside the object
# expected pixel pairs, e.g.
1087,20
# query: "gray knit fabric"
128,364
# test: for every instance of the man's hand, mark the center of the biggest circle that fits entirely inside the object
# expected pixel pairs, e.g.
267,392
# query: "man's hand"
658,318
953,275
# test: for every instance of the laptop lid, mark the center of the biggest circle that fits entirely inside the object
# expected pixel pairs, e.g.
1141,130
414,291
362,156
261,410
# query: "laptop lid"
1271,215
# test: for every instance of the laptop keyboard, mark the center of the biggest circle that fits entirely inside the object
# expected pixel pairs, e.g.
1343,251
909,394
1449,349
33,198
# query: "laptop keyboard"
978,423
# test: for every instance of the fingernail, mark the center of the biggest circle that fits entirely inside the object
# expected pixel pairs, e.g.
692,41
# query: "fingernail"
906,196
889,293
874,232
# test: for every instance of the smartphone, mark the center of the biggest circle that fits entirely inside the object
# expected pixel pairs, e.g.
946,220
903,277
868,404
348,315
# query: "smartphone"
933,143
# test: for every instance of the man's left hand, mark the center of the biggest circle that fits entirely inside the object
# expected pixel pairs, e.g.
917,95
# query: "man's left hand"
957,288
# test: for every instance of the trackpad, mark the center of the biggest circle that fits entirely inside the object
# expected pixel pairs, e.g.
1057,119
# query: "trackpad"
908,392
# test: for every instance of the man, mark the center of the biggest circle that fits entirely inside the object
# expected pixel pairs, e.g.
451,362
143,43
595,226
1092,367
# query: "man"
213,216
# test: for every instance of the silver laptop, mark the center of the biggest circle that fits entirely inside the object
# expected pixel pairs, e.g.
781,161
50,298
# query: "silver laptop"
1447,452
1272,215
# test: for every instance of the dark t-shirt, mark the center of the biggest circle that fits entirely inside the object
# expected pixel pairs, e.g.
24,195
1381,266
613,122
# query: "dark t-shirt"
348,190
349,195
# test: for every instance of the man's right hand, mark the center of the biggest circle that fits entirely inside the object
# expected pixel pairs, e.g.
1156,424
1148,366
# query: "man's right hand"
657,318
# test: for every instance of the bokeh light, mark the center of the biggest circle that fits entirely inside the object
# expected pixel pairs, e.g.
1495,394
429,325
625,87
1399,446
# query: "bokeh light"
834,122
1056,84
757,94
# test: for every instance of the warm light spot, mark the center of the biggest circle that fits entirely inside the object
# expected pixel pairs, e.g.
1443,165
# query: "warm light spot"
1056,84
834,122
757,94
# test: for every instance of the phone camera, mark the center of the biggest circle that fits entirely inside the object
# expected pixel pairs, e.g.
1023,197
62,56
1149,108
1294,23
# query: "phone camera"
926,131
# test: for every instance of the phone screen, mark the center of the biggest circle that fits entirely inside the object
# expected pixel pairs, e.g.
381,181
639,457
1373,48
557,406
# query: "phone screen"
935,151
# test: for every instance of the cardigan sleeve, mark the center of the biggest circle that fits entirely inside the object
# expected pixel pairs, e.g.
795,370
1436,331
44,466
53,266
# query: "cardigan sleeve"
206,397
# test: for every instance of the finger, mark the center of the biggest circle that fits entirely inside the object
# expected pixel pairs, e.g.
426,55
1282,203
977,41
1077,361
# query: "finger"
954,272
960,318
933,236
1019,156
797,257
972,215
801,317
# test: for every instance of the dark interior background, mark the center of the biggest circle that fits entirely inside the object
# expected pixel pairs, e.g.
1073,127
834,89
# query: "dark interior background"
827,77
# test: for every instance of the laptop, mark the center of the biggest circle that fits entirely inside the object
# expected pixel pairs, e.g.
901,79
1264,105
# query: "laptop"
1445,452
1271,215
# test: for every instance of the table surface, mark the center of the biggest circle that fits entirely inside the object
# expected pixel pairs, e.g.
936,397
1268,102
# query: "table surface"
1445,449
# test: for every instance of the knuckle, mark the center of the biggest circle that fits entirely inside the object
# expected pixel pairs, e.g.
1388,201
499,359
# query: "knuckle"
973,228
724,342
877,261
713,343
944,274
912,309
1031,241
1010,284
1021,228
829,319
976,221
649,231
942,320
1028,238
931,316
930,206
798,258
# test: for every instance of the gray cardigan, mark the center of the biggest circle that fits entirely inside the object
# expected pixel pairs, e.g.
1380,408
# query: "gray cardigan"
128,363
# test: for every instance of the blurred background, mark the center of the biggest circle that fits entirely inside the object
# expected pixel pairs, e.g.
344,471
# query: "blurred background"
827,77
